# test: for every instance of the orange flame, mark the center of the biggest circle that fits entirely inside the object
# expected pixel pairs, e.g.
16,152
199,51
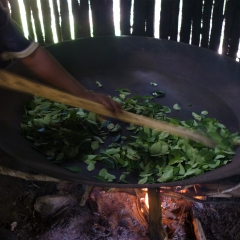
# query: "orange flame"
146,200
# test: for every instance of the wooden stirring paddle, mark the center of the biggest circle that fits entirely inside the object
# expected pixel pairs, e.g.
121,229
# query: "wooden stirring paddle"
17,83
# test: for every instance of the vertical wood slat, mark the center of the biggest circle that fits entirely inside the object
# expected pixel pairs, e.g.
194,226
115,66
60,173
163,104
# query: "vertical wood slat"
35,13
125,12
81,18
174,20
84,19
15,12
57,20
150,18
169,19
65,26
143,21
76,17
47,21
196,25
165,19
139,18
187,12
235,34
208,4
217,22
28,17
102,16
229,21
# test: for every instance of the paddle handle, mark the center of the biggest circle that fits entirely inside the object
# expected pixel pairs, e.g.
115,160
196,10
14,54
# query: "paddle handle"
15,82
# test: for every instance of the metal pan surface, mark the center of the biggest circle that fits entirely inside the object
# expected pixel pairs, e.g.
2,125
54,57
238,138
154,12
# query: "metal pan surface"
185,73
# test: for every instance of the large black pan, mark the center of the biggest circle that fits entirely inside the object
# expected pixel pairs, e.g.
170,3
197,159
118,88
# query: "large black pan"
187,74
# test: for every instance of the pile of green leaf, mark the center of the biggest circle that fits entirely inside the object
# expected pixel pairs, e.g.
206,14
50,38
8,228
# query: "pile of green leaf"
62,132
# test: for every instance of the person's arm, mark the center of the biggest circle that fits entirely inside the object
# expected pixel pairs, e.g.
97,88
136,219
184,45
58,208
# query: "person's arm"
14,45
41,63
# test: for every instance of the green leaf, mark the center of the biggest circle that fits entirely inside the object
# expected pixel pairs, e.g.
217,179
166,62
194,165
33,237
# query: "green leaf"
103,172
166,176
143,180
181,169
112,151
154,84
158,148
176,107
59,156
214,165
92,117
98,139
191,172
196,116
204,112
109,177
122,178
91,166
74,169
98,84
90,157
95,145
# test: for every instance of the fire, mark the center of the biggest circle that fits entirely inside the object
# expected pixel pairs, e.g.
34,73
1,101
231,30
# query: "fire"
200,197
183,190
146,200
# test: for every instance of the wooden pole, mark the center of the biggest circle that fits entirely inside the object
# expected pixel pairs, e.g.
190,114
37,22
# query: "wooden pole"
27,176
156,230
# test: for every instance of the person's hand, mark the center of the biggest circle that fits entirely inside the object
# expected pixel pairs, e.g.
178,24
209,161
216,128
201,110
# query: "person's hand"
105,100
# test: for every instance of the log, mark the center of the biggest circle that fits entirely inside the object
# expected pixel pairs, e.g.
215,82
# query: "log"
85,196
156,230
208,4
125,11
198,230
26,176
217,22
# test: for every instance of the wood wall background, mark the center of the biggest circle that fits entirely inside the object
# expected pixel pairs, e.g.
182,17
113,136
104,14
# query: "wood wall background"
197,26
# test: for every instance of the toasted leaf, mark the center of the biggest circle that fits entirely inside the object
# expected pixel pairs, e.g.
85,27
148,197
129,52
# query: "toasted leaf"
176,106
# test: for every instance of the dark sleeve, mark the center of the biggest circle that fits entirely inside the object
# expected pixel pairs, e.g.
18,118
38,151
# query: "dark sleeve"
12,42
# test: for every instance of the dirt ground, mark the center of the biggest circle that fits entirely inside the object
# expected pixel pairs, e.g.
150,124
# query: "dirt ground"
219,221
106,216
